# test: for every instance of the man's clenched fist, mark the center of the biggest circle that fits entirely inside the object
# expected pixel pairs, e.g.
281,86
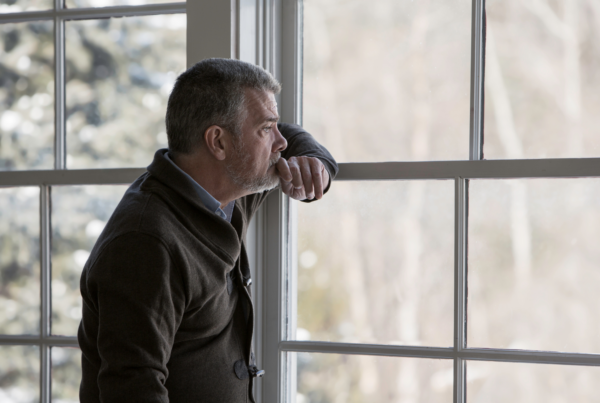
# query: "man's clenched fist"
302,177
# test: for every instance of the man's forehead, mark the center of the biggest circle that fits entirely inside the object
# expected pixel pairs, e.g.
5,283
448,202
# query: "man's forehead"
263,104
271,105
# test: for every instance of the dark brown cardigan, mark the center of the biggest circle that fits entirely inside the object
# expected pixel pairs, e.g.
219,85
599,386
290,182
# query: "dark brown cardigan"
164,301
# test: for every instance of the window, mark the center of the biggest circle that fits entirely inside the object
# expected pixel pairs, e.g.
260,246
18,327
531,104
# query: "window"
76,78
430,273
371,293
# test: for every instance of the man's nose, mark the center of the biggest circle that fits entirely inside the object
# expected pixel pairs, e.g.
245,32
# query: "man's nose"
280,142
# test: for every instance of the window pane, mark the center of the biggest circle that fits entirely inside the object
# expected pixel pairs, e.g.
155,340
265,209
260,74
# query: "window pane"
20,374
533,264
354,378
120,73
26,96
19,260
15,6
388,80
66,374
499,382
107,3
79,214
542,79
375,264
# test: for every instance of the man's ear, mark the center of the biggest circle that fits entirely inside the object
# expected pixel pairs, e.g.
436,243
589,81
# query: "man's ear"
217,141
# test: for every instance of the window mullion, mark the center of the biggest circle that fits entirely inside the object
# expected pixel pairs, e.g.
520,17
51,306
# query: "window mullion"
45,296
60,163
60,149
477,79
94,13
273,303
45,377
460,287
291,62
460,384
290,224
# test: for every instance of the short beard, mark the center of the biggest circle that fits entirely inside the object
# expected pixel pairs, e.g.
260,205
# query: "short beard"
240,173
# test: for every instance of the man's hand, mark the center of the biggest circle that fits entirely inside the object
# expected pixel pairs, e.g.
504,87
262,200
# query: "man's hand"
302,177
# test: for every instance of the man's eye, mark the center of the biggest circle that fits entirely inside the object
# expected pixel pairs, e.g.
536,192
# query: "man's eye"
268,128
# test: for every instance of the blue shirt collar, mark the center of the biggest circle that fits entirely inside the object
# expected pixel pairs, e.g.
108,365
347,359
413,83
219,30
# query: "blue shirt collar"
209,202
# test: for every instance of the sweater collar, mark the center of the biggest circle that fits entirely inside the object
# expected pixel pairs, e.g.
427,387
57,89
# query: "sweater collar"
207,199
166,173
180,183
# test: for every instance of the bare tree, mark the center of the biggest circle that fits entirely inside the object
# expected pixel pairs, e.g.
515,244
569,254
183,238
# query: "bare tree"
520,225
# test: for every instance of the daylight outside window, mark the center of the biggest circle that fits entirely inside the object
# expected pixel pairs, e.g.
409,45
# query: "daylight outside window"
428,274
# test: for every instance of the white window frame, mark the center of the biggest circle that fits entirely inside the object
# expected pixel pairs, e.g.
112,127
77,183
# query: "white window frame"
267,32
60,175
278,311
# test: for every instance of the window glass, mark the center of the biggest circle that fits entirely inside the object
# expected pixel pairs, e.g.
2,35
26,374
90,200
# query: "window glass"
26,96
376,264
19,260
355,378
533,264
498,382
107,3
388,80
120,72
15,6
66,374
542,79
20,374
79,214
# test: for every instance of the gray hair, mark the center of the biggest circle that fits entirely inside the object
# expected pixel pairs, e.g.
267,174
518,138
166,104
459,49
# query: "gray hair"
211,92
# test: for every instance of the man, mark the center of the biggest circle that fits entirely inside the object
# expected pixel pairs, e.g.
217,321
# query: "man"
167,313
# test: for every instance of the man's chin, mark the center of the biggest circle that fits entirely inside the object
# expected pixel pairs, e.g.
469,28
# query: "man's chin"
268,182
272,183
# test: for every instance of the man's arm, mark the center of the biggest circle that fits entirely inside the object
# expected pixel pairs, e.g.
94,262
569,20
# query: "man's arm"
139,299
306,167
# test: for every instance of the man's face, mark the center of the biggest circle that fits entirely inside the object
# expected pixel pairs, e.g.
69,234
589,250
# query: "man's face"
258,148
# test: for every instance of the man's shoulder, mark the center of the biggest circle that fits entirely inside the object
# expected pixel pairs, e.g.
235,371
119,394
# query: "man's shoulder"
141,225
152,209
146,207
